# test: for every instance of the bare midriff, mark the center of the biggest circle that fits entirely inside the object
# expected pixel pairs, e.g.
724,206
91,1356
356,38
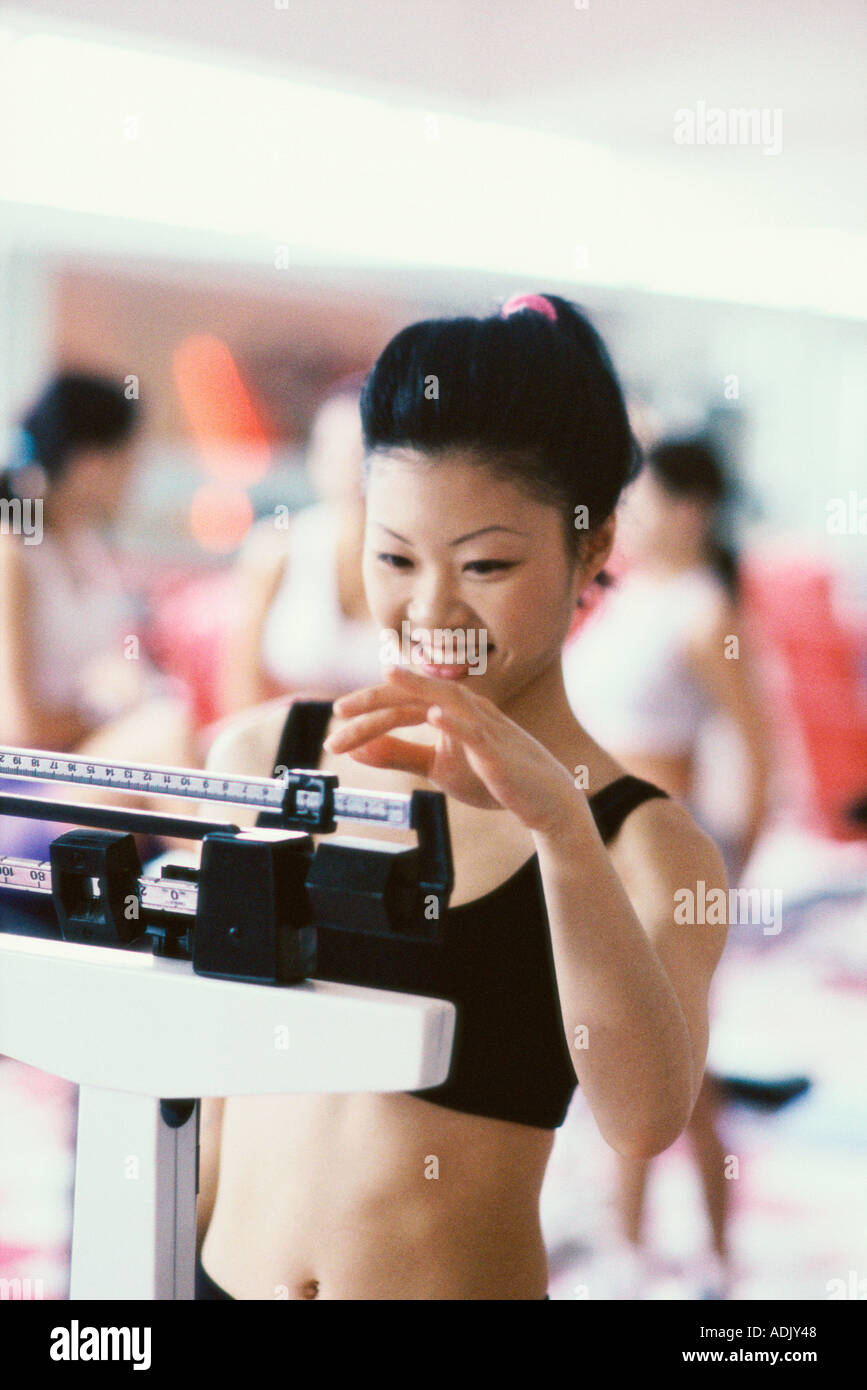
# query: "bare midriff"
375,1197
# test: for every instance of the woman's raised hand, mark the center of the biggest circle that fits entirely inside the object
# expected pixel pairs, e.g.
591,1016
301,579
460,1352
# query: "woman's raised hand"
480,756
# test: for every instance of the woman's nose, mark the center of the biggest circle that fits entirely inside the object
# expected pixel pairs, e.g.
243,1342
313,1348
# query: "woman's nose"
435,604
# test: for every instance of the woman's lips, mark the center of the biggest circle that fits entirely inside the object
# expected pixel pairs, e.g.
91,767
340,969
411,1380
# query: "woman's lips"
445,673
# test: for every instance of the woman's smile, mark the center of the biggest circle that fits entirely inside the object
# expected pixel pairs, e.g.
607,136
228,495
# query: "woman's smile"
444,673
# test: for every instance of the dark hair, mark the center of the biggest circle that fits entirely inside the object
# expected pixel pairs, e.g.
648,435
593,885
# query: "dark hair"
76,410
691,467
538,400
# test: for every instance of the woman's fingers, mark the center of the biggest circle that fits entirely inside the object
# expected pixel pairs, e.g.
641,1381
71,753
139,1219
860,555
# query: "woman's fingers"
461,726
480,749
416,758
372,697
459,696
401,686
407,699
363,727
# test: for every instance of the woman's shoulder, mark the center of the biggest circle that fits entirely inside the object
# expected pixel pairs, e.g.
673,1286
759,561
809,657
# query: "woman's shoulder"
659,851
16,549
659,830
247,741
705,594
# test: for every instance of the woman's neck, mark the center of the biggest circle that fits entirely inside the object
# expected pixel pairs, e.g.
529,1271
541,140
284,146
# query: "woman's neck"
678,562
542,709
63,519
352,521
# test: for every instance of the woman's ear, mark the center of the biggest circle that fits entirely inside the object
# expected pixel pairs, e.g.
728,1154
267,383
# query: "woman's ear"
599,544
595,551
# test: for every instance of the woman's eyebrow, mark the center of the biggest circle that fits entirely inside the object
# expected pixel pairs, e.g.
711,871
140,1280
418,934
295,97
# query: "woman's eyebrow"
460,539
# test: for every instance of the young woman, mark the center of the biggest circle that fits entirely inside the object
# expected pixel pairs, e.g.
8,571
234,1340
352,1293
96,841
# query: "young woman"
67,682
303,623
675,613
65,614
483,436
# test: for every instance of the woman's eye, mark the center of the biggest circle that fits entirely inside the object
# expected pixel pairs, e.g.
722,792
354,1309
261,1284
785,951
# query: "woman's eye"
486,566
475,566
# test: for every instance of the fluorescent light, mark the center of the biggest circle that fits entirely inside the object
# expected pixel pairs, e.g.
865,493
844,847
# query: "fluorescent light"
112,131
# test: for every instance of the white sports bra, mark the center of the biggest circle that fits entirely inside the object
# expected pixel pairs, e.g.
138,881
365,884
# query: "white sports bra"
626,672
307,640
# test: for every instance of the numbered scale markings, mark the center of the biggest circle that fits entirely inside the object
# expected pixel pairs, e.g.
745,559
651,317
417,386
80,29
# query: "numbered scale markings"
155,894
263,793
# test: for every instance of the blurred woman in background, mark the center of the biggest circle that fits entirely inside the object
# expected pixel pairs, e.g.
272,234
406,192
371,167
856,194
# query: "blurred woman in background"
662,654
72,678
302,620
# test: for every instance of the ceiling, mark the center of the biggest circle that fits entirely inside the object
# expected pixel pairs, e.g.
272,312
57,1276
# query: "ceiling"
613,73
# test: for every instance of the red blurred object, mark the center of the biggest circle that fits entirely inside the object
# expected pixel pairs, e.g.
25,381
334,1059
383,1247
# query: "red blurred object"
220,516
187,633
225,422
791,605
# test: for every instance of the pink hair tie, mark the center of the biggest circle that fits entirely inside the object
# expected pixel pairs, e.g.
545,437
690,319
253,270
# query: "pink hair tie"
529,301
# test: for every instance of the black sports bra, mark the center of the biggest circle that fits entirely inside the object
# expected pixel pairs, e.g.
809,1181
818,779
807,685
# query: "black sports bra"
510,1059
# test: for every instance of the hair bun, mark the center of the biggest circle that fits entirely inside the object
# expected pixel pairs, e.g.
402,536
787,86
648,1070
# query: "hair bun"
537,302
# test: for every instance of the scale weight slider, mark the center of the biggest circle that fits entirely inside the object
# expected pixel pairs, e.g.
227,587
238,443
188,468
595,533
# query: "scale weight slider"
253,918
94,875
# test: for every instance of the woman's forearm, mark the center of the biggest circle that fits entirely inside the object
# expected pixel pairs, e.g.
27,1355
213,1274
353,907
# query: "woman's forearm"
759,779
627,1035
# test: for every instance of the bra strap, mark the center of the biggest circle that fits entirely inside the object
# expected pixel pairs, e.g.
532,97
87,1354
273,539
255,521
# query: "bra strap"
300,743
613,803
301,740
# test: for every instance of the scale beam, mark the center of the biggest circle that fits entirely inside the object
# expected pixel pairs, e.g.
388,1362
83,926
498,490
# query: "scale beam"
301,796
254,908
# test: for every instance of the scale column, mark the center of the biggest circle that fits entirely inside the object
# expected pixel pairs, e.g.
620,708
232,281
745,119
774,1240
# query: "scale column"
134,1217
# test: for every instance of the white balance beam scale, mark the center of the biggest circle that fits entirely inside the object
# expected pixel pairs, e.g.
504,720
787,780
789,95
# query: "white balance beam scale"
134,1030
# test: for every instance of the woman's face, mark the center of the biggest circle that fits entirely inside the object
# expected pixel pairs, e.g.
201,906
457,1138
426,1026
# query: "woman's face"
655,523
643,518
97,481
450,549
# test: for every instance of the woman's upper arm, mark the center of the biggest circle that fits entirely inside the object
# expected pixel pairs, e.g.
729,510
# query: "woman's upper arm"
258,571
676,880
260,565
25,718
721,661
17,695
